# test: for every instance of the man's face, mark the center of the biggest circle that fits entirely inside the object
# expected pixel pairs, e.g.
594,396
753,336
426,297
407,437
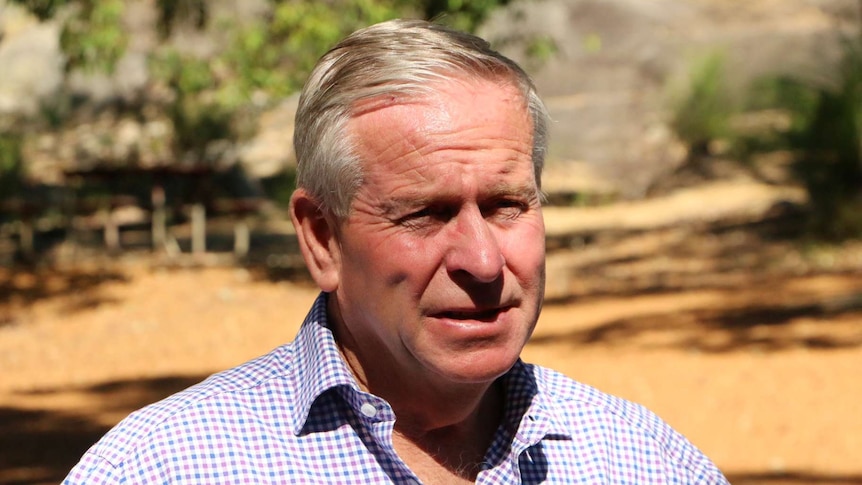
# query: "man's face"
442,256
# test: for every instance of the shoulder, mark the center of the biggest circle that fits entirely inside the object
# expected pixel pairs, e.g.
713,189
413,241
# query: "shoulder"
231,396
567,395
605,421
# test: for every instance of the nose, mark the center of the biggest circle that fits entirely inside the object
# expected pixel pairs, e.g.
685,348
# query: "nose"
475,249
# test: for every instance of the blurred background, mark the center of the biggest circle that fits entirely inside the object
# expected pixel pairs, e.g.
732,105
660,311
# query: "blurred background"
704,210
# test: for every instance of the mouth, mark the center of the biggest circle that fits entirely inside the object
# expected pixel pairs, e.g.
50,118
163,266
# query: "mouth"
480,315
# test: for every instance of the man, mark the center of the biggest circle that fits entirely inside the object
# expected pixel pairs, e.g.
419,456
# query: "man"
418,214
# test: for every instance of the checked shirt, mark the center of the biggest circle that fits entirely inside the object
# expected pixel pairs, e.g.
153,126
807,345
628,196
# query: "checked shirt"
297,415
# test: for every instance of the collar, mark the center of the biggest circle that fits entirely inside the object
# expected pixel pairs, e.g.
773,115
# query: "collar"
316,362
317,366
532,412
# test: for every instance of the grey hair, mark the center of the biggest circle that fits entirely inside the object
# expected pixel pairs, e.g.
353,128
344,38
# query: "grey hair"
395,58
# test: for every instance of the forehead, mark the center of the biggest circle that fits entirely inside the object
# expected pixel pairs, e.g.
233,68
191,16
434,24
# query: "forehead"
472,114
466,138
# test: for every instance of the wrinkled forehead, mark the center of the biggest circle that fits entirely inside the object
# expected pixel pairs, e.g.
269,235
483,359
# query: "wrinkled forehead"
461,129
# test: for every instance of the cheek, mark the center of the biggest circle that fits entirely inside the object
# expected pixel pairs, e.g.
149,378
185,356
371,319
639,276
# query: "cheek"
396,259
524,250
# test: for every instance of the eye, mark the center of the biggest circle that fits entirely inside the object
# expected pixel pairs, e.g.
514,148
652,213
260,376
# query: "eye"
506,208
427,216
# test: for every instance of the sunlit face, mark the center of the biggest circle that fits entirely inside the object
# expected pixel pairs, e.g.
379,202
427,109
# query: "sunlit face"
442,256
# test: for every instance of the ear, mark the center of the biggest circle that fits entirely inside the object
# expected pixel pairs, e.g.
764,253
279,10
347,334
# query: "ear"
316,234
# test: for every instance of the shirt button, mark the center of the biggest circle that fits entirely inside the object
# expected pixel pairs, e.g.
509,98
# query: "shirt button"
368,410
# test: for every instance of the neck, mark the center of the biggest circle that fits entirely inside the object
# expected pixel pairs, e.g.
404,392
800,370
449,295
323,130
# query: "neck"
456,450
450,424
425,406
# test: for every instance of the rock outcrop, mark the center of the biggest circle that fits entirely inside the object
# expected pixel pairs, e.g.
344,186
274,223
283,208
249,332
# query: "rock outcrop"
615,62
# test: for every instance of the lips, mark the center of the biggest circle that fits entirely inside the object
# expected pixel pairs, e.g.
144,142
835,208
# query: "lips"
482,315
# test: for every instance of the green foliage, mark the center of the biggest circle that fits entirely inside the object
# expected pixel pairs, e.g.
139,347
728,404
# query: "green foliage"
825,134
593,43
830,152
197,118
798,98
270,57
196,124
701,113
541,49
93,38
43,9
279,187
267,59
464,15
184,74
11,164
257,62
275,56
173,12
786,98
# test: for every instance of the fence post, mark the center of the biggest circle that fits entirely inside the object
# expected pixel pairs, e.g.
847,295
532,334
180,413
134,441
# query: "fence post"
159,222
199,230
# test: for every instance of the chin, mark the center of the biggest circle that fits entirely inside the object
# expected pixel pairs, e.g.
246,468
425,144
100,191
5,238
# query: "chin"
479,367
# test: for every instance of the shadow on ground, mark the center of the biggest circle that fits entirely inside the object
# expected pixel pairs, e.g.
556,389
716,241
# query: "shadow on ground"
21,286
41,446
755,323
793,478
761,281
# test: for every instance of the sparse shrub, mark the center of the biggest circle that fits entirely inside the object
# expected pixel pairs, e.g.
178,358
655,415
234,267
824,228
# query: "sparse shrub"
460,14
11,164
94,38
825,135
702,109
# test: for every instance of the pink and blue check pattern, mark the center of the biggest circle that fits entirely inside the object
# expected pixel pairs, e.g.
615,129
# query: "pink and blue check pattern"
297,415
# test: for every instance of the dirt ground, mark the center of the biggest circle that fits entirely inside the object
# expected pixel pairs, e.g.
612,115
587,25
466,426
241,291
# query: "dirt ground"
749,345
